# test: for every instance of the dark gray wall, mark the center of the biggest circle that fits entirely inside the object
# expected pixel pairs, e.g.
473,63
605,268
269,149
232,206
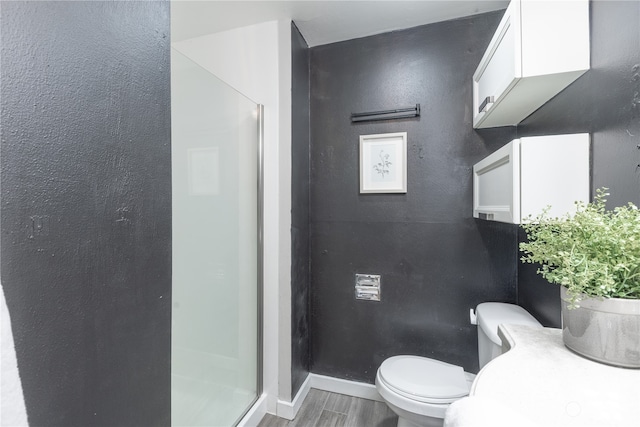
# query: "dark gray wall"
605,101
436,261
299,210
86,209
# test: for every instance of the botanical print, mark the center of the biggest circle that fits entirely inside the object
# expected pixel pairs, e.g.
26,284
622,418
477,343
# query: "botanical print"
383,162
382,167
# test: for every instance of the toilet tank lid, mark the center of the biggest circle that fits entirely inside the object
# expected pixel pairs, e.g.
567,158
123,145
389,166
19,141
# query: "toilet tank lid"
492,314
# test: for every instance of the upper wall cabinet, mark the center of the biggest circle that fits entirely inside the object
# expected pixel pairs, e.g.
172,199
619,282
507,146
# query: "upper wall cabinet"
529,174
539,48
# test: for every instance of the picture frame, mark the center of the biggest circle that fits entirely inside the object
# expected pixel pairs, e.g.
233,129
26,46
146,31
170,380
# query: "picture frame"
383,163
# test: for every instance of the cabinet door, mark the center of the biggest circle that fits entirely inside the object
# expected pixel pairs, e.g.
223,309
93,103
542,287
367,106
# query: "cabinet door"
500,66
554,171
496,185
555,37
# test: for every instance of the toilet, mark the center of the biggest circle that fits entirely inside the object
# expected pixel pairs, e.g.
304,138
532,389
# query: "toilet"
419,389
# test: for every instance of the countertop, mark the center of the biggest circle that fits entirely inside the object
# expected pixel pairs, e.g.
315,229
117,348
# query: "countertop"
539,378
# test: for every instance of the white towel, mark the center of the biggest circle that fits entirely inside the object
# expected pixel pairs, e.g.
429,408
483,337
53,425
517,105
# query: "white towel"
475,411
12,409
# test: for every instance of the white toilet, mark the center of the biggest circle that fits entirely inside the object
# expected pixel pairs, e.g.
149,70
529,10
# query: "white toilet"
419,389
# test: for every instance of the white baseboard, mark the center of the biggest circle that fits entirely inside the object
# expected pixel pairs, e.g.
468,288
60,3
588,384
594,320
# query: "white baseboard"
350,388
255,414
289,410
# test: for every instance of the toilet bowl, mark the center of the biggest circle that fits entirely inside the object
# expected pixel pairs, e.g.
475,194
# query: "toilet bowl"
419,389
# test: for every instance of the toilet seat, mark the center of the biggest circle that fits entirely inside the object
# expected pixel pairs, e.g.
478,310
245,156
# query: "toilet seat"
424,380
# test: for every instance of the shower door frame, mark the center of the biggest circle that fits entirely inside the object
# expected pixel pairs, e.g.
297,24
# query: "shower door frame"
260,265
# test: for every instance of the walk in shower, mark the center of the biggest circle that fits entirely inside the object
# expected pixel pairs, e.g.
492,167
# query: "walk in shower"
216,176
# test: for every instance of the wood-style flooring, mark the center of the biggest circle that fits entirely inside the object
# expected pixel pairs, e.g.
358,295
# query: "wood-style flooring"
325,409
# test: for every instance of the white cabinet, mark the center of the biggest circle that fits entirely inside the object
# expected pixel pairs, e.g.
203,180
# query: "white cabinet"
539,48
529,174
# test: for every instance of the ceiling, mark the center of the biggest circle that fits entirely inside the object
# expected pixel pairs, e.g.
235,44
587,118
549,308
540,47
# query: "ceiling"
320,22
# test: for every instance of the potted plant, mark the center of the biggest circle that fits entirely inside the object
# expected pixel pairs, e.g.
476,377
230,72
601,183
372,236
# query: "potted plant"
594,254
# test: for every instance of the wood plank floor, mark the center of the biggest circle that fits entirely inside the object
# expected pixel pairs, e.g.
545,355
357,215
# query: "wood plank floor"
325,409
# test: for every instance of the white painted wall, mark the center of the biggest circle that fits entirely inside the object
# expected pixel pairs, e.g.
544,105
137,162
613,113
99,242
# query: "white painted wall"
12,408
256,61
284,255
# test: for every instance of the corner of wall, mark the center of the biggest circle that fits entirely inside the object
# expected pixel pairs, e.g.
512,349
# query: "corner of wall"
284,179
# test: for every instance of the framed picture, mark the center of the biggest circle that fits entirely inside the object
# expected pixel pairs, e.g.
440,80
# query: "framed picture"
383,163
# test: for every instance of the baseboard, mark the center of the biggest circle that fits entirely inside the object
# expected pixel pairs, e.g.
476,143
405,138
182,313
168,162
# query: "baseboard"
255,414
350,388
289,410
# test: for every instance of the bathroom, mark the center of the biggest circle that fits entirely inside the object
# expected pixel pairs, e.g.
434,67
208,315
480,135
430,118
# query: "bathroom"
95,352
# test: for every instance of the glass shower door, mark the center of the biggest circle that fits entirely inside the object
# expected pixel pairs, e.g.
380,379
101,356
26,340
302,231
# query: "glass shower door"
215,176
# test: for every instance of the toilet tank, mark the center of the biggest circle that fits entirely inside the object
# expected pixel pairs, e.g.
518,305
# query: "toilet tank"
489,316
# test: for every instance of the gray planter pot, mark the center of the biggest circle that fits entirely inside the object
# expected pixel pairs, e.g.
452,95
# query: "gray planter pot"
604,330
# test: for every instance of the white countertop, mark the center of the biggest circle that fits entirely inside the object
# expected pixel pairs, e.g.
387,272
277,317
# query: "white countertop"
549,385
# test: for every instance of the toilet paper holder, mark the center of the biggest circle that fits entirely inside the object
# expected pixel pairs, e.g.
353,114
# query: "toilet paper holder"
473,318
368,287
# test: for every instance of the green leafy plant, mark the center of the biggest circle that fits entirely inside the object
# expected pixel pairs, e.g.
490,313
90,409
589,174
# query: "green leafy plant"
594,252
